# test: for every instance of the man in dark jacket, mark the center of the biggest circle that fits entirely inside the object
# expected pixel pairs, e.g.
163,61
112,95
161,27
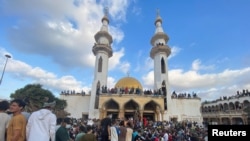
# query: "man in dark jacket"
105,128
62,133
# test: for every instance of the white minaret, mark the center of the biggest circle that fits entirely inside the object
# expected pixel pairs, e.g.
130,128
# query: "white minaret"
103,51
159,53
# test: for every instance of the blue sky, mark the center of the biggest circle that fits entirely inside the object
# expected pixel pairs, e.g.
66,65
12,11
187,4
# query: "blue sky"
51,42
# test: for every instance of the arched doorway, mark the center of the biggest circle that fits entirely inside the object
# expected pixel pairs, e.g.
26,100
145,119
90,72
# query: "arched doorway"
151,111
112,108
130,108
97,94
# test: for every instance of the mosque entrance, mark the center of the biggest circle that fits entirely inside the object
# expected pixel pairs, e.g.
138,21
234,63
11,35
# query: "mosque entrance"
149,116
150,110
129,115
131,110
114,114
112,108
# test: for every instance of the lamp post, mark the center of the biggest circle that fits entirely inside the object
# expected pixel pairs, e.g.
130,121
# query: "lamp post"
7,57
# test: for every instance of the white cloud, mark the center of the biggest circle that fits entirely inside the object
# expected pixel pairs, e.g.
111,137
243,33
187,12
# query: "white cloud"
111,82
209,86
174,51
117,34
148,80
115,62
64,33
117,8
50,80
124,67
196,66
221,83
149,63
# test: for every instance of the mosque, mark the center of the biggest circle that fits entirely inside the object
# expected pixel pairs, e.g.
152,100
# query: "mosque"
128,98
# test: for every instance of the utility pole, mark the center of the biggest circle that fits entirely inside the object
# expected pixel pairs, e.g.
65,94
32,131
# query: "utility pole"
7,57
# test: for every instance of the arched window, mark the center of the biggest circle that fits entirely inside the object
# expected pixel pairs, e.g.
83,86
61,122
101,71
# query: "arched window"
163,66
98,86
163,88
97,94
100,64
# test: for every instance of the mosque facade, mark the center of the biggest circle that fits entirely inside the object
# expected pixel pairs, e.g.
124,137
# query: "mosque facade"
128,98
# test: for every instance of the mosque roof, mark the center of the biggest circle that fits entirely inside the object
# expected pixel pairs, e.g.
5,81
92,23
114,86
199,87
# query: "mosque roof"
128,82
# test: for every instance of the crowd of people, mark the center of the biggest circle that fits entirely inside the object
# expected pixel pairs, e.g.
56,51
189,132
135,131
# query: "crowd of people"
43,125
109,129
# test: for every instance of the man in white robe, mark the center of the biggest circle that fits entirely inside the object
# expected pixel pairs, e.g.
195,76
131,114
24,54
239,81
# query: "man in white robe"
114,131
41,124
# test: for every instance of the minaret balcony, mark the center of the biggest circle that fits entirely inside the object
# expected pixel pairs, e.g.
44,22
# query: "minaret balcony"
159,35
102,47
160,48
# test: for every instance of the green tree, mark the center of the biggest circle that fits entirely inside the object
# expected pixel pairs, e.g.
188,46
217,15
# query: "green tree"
35,96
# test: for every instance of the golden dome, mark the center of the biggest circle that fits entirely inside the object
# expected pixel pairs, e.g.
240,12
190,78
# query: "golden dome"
128,82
